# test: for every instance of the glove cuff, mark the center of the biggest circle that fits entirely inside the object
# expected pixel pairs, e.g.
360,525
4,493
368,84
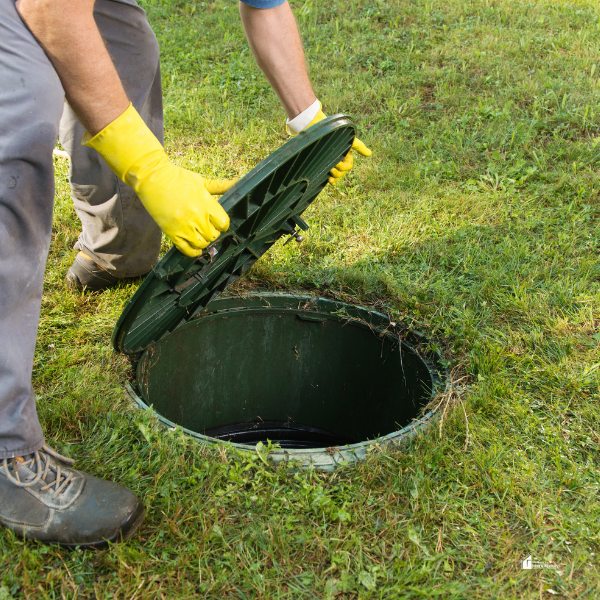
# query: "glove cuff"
304,120
123,143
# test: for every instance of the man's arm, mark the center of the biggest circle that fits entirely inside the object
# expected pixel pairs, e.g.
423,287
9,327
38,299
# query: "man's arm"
275,43
274,39
66,30
180,201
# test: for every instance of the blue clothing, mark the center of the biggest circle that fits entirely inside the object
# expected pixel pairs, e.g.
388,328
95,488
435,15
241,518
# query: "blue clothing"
263,3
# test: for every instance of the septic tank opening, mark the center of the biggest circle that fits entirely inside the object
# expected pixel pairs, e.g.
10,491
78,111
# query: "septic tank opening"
304,373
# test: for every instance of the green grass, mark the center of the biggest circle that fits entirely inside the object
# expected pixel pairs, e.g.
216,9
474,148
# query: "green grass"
475,221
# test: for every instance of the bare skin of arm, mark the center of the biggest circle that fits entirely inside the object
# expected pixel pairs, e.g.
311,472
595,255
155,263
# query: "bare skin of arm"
273,37
67,32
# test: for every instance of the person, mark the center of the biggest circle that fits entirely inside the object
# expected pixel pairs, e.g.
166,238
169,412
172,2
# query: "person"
87,72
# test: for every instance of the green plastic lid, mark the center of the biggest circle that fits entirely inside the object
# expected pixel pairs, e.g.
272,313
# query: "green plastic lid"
263,206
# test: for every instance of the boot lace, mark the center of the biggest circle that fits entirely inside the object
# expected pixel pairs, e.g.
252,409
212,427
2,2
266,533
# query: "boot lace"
42,469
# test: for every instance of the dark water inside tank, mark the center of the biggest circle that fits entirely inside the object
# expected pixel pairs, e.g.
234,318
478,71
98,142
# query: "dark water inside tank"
287,434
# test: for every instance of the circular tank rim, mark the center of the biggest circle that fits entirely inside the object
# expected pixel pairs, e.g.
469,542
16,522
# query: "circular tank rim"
319,458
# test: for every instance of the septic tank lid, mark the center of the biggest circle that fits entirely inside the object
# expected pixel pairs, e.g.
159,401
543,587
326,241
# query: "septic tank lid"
263,206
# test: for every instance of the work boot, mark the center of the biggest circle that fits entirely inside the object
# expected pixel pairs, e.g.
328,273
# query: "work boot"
85,274
42,498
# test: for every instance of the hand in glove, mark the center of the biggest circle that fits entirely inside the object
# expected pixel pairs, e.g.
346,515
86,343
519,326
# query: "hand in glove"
343,167
179,200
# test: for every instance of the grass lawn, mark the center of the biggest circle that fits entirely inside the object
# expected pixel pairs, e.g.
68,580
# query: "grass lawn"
475,221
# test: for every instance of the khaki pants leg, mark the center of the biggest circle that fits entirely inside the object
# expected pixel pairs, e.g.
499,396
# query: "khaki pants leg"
117,231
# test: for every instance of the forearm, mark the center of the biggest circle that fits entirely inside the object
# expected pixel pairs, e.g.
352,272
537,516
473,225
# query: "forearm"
273,37
67,32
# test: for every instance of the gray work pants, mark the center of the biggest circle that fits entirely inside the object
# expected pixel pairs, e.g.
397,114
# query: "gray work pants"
117,232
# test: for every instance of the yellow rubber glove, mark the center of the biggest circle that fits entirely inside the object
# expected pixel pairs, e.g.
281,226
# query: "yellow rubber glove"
179,200
343,167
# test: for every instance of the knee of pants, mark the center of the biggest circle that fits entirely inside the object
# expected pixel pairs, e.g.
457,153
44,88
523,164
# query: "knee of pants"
29,114
31,100
31,94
